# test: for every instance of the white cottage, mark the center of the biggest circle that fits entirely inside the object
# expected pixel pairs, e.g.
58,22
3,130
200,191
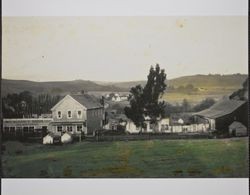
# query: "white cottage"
161,126
131,127
50,139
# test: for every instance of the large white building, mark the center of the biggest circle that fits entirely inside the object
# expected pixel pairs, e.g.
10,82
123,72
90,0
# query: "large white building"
76,114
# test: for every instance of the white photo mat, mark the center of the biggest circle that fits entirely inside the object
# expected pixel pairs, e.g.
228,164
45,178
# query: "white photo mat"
124,8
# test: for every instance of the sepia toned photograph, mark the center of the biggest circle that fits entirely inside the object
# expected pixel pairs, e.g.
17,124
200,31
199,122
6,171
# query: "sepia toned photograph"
125,97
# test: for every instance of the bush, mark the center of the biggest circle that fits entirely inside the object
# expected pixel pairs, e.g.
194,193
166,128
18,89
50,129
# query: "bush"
19,152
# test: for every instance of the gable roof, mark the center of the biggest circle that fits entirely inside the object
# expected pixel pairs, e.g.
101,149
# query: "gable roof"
185,116
236,124
52,135
89,101
221,108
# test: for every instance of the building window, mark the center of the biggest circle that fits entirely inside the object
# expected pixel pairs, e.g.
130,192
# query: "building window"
69,128
164,127
79,127
59,128
19,129
84,123
12,129
6,129
31,129
26,129
79,114
59,114
69,114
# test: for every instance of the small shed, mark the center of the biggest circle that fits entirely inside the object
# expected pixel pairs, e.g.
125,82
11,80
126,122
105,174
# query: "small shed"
66,138
237,129
181,121
48,139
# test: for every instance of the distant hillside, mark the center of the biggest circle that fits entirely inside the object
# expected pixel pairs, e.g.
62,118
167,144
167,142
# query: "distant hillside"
124,85
210,81
233,81
57,88
200,81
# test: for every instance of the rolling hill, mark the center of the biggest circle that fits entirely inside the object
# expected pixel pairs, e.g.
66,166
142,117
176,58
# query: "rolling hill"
233,81
56,88
210,81
199,81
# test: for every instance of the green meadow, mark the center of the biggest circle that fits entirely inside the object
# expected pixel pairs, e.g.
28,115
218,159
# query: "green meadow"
131,159
196,97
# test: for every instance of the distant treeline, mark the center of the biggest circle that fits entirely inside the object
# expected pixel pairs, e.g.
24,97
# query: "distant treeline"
185,106
19,105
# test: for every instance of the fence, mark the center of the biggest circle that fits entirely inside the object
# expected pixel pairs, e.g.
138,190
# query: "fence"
150,137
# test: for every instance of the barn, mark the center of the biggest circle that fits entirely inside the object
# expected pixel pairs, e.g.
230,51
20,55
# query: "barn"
223,113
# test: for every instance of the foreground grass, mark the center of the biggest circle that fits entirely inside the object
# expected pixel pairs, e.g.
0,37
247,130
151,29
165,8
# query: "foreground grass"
152,158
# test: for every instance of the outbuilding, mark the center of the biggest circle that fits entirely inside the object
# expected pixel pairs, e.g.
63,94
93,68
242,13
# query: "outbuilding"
223,113
49,139
237,129
66,138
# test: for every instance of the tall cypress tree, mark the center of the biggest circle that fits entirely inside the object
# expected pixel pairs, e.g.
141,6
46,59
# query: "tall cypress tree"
144,102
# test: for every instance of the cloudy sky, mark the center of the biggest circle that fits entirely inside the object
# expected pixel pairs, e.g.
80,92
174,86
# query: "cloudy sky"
122,48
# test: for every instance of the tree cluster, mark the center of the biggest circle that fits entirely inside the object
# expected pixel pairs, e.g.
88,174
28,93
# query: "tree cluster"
185,106
24,104
241,94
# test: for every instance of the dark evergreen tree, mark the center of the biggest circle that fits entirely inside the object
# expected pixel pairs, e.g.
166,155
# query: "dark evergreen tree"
186,107
145,101
136,110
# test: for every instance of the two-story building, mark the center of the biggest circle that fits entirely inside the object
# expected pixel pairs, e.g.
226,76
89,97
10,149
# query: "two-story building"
76,114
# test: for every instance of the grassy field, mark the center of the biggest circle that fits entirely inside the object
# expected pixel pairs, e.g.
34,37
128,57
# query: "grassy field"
152,158
196,97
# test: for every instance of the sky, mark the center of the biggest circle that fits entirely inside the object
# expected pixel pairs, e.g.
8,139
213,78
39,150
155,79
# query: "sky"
122,48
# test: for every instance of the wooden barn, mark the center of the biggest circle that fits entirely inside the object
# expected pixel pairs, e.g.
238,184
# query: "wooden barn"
223,113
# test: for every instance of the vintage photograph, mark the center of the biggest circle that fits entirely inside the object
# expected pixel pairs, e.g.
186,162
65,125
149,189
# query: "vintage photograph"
125,97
